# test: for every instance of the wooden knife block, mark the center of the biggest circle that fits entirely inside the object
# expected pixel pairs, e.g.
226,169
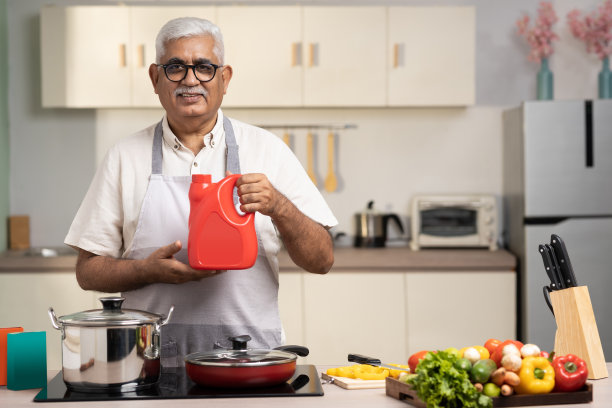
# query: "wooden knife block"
577,330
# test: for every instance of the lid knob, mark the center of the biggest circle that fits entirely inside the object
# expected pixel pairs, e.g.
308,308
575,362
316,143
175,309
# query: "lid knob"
112,303
240,342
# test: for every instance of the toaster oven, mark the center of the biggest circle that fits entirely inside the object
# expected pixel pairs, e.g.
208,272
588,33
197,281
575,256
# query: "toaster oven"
459,221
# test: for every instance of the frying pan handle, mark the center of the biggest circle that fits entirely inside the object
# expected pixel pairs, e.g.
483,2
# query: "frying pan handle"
299,350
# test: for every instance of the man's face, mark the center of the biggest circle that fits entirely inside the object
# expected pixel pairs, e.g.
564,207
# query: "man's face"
190,97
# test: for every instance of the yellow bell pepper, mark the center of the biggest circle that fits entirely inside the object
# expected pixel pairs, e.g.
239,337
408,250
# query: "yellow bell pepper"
360,371
537,376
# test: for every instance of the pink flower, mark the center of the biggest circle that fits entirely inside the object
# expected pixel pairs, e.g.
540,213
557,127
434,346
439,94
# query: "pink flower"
594,29
539,37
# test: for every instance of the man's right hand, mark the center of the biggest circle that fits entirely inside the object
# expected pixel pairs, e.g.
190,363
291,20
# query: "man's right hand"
108,274
167,269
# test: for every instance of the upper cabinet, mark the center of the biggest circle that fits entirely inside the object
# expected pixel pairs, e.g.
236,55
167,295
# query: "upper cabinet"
263,46
282,56
87,65
428,65
345,56
83,63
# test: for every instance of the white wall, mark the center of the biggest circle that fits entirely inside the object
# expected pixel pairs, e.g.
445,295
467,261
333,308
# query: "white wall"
393,154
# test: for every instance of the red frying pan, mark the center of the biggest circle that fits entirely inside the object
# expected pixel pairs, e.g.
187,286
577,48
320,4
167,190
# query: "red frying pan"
241,367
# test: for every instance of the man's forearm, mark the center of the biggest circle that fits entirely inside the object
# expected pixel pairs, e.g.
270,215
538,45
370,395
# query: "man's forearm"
308,243
106,274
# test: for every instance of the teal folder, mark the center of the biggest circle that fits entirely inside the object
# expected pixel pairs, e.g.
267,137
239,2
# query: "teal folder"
26,360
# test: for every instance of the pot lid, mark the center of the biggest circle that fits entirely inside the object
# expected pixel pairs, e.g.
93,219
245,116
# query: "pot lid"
241,358
111,314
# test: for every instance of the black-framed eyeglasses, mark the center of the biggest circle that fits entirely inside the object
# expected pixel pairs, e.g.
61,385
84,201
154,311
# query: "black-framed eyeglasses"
177,72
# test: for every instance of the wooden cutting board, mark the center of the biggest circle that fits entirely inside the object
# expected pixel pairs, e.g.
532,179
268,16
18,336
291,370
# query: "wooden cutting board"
405,393
352,383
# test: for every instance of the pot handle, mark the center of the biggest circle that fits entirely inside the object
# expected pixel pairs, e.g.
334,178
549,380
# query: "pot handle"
54,321
163,322
299,350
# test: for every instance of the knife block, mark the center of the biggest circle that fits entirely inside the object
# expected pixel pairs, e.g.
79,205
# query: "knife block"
577,330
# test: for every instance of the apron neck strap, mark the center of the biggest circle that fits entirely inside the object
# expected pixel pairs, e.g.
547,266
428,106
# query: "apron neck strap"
233,159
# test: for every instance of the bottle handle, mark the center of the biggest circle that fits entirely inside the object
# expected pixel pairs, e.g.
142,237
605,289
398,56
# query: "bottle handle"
226,199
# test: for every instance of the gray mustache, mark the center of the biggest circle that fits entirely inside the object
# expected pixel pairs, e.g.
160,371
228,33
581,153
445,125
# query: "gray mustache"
190,90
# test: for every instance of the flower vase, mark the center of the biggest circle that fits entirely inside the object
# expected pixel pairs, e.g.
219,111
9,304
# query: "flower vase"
545,81
605,80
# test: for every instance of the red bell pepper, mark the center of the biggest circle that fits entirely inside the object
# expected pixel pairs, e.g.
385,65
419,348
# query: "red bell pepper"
571,372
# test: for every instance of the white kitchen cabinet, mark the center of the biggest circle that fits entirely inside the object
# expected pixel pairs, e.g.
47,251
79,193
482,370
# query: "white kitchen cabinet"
431,56
29,297
393,314
87,65
263,45
344,56
459,309
83,62
355,312
291,302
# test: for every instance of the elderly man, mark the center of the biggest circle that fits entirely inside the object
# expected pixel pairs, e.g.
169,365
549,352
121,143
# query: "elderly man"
131,229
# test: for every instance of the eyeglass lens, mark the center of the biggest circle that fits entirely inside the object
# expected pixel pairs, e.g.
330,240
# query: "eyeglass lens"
178,72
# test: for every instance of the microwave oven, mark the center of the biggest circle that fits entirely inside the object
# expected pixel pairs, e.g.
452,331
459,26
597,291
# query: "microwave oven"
459,221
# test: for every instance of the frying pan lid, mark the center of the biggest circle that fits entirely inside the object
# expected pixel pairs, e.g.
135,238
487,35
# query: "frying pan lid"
240,358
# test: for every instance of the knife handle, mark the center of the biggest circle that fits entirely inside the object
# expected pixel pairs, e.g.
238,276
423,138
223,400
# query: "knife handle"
564,261
556,268
361,359
548,265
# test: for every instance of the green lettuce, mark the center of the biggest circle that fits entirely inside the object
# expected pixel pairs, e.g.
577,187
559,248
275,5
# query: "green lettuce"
439,383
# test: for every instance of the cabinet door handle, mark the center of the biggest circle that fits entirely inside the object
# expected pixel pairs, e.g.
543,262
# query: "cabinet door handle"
141,55
398,55
122,55
296,52
312,51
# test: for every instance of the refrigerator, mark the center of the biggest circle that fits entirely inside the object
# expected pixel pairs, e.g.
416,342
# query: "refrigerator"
557,178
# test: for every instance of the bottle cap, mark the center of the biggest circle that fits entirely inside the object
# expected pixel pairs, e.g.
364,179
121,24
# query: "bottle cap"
201,178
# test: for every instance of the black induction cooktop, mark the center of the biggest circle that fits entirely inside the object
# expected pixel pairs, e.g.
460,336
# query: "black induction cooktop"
174,383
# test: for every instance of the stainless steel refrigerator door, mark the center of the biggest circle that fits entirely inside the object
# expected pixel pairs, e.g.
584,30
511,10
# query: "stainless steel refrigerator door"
589,244
559,178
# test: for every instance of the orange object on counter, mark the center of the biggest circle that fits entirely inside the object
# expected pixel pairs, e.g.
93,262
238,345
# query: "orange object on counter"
3,357
219,237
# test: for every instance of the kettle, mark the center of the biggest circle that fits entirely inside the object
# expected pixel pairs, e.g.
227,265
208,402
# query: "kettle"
371,227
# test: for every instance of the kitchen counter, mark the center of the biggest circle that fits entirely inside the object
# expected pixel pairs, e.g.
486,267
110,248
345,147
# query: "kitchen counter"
396,258
403,258
334,397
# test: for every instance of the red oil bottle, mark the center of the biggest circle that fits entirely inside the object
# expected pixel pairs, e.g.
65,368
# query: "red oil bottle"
219,237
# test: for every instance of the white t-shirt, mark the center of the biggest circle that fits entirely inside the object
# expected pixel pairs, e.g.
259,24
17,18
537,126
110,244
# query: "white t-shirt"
107,218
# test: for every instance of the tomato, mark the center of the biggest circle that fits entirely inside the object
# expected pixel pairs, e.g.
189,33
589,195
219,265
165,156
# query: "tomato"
414,359
497,354
491,345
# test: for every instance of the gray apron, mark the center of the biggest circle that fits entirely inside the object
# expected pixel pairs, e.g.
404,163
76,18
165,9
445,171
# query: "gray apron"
232,303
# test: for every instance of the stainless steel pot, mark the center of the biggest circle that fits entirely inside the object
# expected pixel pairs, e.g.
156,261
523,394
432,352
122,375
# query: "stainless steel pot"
110,348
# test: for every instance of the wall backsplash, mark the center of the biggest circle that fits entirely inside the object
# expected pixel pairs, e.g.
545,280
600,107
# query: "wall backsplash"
391,155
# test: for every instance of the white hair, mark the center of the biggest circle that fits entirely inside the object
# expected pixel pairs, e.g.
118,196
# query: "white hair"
188,27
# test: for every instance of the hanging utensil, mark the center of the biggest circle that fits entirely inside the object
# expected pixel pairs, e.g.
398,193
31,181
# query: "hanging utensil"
287,138
331,183
310,156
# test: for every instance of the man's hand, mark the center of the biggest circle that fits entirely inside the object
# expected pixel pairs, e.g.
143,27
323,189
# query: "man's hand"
168,269
308,243
258,194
